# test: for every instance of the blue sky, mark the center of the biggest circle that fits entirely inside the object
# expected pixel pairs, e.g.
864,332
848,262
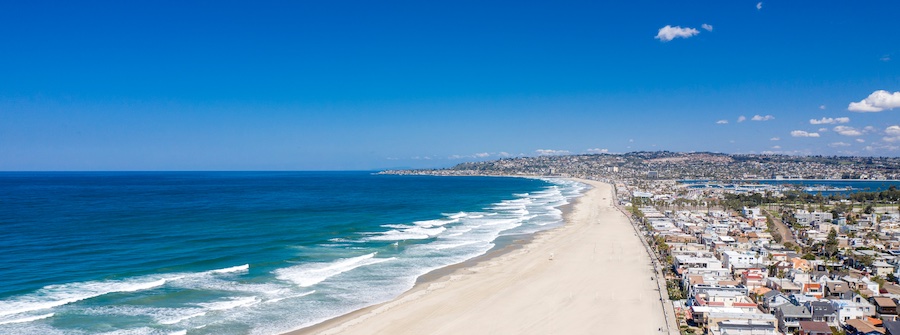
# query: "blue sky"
322,85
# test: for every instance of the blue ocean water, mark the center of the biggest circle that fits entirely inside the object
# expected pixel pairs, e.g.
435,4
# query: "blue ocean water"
240,252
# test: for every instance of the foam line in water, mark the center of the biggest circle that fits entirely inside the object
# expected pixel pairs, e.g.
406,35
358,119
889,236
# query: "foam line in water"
311,274
239,268
291,296
230,303
57,295
27,319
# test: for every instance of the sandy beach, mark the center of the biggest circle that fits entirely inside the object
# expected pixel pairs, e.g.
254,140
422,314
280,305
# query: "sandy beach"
591,276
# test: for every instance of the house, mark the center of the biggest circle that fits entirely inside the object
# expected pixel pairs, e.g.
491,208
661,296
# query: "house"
733,322
823,312
885,307
789,317
814,328
753,278
749,326
882,269
853,308
782,284
861,327
837,290
892,327
772,299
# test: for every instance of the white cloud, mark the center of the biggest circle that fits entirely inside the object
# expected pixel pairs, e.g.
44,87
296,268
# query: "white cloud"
482,155
822,130
708,27
742,118
504,154
859,140
839,144
869,129
762,118
892,130
776,147
669,33
876,102
893,134
722,122
828,120
758,5
551,152
885,58
802,133
597,151
775,139
822,107
847,131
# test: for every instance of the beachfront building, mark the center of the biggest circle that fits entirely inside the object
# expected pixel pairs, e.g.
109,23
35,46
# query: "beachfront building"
690,261
763,326
741,260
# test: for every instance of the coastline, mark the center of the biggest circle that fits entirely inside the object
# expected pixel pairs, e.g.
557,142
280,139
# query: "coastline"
575,279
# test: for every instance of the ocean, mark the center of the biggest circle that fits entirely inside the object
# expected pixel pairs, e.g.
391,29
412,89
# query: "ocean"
240,252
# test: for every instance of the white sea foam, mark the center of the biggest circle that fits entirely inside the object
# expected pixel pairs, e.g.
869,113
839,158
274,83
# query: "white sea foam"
432,223
239,268
290,297
311,274
459,215
229,304
57,295
410,233
27,319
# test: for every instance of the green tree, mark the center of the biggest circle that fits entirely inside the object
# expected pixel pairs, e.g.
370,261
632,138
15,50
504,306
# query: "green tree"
831,243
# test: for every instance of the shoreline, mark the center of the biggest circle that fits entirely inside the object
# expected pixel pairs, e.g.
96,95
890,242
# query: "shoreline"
519,274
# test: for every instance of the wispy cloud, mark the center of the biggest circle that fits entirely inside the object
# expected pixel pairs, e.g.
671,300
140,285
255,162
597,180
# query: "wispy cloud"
822,107
741,119
847,131
838,144
597,151
876,102
828,120
775,139
762,118
803,133
885,58
708,27
758,5
551,152
722,122
669,33
859,140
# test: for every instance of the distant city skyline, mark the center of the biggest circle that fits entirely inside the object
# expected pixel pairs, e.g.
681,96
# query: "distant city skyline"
353,85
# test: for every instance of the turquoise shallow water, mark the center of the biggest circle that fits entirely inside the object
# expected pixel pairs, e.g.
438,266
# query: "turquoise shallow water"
240,252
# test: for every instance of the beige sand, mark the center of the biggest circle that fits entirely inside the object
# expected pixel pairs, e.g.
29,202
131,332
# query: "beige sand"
592,276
